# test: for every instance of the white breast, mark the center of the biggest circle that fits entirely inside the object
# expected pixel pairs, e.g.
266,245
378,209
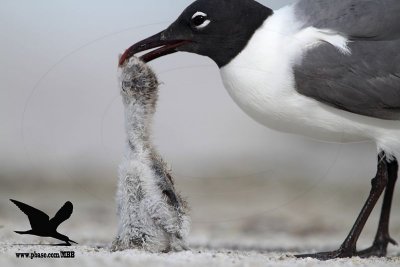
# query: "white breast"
261,81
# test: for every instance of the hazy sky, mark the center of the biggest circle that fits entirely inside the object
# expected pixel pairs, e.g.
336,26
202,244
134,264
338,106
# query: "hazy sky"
59,101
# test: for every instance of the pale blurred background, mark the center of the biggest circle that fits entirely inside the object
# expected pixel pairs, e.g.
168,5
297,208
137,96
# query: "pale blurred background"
62,135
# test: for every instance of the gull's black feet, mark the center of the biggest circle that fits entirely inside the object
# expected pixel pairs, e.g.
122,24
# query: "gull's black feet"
378,249
323,256
385,179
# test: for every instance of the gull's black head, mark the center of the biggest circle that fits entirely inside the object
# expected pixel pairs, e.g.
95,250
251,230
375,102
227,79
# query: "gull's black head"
219,29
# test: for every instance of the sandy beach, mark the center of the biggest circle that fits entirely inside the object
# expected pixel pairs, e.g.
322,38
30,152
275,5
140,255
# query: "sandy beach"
259,222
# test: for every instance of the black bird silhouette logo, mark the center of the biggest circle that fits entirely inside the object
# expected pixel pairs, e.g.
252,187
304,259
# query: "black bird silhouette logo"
41,223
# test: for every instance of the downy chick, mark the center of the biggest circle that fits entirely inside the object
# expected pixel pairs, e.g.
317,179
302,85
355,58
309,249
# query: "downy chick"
152,215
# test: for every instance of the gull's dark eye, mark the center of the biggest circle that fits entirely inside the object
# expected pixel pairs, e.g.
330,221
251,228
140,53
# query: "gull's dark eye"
200,20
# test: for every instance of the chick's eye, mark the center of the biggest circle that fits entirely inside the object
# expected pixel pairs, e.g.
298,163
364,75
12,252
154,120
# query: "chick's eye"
171,197
200,20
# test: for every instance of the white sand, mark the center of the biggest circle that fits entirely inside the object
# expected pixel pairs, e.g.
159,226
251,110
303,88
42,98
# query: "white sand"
92,256
256,222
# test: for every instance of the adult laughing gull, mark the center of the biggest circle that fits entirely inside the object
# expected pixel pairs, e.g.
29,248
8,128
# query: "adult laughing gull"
319,68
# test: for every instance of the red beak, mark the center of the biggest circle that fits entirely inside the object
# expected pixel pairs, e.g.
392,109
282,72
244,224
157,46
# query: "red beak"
165,47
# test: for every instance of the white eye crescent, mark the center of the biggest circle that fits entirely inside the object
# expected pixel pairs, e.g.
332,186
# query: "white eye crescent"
200,20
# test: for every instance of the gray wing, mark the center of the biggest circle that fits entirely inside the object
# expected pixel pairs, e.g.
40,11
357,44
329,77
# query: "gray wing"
367,82
358,19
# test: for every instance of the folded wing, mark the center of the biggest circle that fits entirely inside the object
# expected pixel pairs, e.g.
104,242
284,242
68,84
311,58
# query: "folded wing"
366,82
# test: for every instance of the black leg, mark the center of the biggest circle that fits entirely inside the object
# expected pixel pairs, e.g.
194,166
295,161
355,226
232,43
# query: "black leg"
348,248
382,238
